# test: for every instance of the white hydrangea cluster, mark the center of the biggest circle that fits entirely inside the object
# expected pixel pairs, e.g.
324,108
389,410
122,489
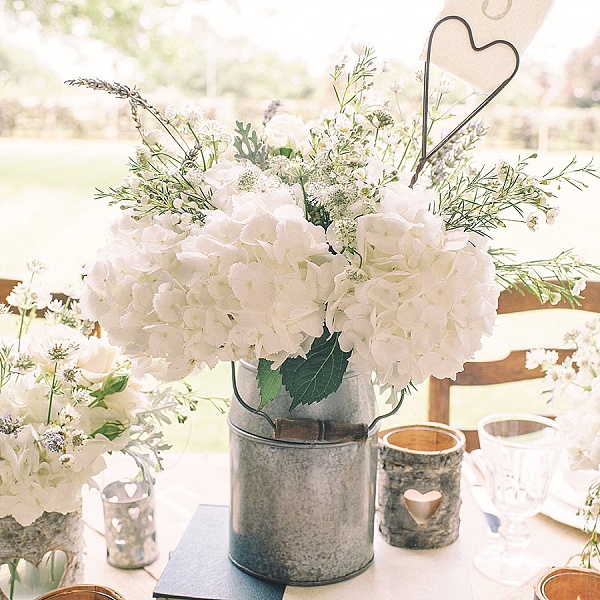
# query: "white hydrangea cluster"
139,260
417,298
579,376
50,449
251,283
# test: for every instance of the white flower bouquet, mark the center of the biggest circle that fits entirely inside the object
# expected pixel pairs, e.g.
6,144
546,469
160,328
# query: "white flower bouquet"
66,399
302,246
578,376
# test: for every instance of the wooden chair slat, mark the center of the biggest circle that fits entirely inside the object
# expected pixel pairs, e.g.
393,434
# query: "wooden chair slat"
505,370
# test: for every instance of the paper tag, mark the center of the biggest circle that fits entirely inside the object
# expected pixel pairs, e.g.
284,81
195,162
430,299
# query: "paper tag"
516,21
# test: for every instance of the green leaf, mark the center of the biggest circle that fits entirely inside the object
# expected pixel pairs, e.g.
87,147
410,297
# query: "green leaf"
320,374
248,145
269,381
99,402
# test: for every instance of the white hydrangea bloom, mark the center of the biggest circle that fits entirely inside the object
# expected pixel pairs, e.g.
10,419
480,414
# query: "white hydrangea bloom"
251,283
428,296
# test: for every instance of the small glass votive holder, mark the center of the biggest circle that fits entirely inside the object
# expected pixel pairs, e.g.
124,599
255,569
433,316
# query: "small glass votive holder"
569,583
129,524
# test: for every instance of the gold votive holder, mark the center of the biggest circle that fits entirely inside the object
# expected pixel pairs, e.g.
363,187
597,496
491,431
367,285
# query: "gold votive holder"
82,592
569,583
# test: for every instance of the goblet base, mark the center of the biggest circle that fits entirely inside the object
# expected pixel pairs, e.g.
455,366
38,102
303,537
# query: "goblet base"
509,569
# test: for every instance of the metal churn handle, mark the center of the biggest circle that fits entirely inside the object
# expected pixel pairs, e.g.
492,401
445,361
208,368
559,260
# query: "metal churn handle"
315,430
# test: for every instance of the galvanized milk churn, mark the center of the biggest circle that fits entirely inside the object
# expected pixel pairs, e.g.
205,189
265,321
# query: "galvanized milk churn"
302,507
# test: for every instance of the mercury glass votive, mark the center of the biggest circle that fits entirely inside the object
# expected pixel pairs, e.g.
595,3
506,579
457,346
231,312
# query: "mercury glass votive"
129,524
569,583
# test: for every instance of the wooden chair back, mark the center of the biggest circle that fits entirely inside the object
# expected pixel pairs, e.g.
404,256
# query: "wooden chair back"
6,287
508,369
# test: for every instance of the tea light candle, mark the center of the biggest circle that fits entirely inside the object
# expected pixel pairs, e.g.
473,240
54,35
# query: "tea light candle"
569,583
129,524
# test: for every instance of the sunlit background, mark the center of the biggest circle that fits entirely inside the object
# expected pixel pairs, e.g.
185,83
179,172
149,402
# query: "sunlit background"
58,144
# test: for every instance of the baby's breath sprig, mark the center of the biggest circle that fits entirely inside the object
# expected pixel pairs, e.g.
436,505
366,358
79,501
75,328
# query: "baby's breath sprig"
159,193
492,197
166,165
591,513
553,280
568,174
358,80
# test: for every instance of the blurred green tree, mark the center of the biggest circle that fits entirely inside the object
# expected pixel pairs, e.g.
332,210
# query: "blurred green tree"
122,24
173,47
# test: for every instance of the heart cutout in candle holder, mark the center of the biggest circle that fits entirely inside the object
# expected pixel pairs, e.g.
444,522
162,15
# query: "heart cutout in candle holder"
426,155
422,507
134,512
130,489
116,524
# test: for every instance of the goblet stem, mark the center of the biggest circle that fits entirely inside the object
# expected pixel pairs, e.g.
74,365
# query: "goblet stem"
515,536
508,562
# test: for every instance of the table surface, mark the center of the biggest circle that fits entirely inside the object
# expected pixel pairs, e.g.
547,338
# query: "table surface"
190,479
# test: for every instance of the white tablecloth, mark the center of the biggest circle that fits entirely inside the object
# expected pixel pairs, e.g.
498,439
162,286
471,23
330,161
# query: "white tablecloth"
442,574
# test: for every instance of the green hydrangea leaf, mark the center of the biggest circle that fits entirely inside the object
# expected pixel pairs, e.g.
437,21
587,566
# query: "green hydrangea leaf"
319,374
269,381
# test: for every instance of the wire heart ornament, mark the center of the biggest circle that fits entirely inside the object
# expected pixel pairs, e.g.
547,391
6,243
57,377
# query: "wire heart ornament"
426,155
422,507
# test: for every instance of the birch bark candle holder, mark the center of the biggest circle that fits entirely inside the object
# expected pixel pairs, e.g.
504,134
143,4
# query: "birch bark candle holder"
569,583
418,485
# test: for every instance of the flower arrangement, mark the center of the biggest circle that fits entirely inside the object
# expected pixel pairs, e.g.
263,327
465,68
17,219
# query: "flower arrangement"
66,399
578,376
302,246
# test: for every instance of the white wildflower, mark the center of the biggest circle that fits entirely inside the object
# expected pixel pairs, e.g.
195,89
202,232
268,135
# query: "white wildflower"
552,214
358,48
66,460
533,222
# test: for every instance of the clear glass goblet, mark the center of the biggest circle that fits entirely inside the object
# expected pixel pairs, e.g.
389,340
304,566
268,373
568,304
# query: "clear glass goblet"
521,452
